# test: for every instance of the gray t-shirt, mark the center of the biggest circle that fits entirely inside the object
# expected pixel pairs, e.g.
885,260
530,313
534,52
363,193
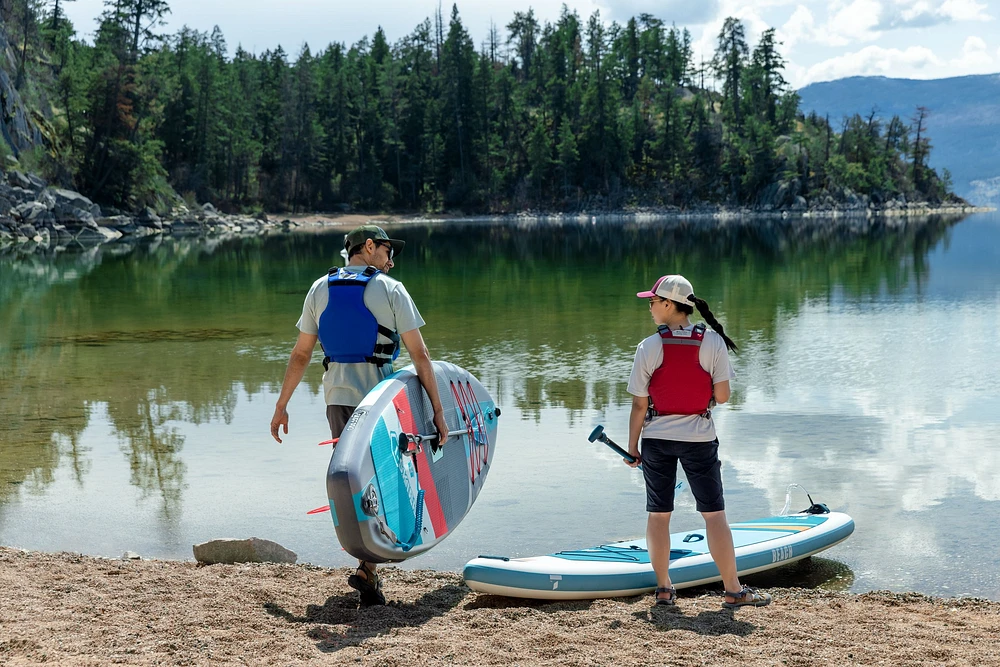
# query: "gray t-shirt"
713,357
389,302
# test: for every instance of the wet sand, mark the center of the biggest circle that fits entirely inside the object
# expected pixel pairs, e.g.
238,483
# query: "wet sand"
69,609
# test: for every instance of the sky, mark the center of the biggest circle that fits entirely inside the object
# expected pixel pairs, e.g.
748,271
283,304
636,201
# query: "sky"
821,40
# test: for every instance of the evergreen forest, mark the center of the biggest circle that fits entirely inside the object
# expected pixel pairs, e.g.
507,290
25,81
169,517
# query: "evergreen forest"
576,114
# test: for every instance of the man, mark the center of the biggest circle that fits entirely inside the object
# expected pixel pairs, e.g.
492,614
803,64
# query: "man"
359,315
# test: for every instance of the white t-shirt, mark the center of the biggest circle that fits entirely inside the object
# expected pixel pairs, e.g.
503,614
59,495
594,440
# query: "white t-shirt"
390,303
713,357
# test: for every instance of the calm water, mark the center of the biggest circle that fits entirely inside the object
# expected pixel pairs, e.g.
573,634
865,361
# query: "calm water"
137,384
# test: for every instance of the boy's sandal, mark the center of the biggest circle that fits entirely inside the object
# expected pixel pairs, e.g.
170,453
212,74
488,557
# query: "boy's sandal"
747,597
668,601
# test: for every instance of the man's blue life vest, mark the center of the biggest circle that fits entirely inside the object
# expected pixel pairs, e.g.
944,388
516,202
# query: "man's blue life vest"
348,331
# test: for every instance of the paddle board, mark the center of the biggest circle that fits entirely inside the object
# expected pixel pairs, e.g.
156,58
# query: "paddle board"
623,568
394,496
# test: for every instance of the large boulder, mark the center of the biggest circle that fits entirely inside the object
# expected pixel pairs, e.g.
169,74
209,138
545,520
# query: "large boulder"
70,199
253,550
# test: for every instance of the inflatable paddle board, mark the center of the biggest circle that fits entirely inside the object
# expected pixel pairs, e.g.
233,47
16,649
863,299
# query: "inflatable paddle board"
623,568
393,493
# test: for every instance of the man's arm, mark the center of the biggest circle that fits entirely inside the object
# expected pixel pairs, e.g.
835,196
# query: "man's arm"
421,359
297,362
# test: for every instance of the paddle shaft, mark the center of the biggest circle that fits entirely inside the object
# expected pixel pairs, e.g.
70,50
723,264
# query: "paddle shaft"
613,445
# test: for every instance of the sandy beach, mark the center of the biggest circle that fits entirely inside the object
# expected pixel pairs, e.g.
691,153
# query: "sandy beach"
78,610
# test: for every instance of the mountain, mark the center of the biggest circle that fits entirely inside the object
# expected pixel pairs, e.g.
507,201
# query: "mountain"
964,121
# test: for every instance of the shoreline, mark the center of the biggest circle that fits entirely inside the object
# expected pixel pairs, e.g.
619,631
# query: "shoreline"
67,608
40,218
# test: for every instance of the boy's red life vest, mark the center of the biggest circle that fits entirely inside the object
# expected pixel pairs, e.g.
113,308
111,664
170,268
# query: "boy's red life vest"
680,386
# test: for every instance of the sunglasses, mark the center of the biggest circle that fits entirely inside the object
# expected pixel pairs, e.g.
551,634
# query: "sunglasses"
384,244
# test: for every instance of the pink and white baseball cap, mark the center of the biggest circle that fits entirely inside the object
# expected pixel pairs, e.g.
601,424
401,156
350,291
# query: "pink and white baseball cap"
675,288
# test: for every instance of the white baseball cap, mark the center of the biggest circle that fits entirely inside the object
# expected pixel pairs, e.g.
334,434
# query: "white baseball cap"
675,288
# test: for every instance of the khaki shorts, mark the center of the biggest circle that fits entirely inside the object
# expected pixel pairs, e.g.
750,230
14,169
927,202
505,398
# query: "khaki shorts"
338,415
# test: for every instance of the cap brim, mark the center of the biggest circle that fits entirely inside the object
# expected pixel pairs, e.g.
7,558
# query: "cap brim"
645,295
397,246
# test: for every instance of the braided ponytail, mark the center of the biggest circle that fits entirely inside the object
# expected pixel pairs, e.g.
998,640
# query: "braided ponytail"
712,322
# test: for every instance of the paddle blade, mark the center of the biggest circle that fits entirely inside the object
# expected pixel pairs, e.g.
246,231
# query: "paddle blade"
319,510
329,442
596,433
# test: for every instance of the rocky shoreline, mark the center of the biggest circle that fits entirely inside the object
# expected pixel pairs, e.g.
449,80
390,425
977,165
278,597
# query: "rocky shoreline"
38,216
35,216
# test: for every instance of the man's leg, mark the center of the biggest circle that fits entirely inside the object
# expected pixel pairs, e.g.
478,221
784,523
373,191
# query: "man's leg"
364,580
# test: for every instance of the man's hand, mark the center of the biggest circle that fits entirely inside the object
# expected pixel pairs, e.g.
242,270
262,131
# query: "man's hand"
279,419
442,427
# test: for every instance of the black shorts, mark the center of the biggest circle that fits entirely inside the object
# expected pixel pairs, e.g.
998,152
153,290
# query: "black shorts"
700,461
338,415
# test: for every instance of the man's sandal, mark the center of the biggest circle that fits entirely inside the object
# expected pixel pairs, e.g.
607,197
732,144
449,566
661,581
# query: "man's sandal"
367,583
668,601
747,597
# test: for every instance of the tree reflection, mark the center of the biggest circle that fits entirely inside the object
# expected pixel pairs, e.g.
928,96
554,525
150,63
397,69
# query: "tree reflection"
544,312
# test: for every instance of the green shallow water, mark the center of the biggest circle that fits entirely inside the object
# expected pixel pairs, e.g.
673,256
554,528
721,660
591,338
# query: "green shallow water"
137,384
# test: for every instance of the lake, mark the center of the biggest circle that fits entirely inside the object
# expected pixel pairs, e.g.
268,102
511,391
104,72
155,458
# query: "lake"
137,384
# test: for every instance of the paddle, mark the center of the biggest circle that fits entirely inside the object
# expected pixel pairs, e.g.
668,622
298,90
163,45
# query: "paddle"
598,434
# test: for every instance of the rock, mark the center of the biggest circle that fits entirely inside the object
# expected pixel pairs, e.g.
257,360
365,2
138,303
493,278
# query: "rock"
73,216
261,216
61,234
11,161
121,223
187,226
131,555
37,183
29,211
253,550
208,208
71,199
20,195
92,236
800,203
19,180
26,231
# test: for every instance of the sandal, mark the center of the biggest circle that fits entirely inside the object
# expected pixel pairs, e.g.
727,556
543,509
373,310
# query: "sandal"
669,601
368,584
747,597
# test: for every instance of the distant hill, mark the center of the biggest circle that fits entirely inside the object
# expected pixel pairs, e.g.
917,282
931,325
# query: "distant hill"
964,121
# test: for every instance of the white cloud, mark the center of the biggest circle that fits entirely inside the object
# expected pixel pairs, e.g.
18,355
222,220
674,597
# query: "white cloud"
873,61
964,10
800,27
856,22
975,57
923,13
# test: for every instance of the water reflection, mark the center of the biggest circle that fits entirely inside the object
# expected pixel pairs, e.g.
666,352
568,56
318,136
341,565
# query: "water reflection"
174,351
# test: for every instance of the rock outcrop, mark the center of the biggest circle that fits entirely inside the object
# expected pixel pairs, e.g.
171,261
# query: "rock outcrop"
252,550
